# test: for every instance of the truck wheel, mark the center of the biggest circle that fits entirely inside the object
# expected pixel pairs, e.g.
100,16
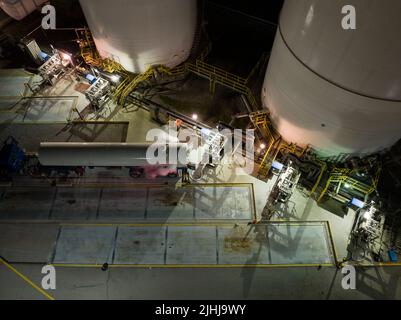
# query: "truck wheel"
172,175
136,173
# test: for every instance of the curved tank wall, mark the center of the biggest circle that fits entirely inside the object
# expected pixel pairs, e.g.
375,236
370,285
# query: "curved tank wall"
337,90
19,9
140,33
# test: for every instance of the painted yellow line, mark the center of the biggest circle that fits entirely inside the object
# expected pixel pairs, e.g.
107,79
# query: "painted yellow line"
82,184
377,265
15,73
294,223
336,258
98,122
197,224
153,225
194,266
84,266
221,185
214,185
33,122
116,185
10,97
128,185
51,97
225,266
390,264
48,296
221,266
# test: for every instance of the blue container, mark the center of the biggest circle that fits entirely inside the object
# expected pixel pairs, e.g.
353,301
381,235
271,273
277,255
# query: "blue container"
358,203
277,165
392,255
91,78
44,56
11,157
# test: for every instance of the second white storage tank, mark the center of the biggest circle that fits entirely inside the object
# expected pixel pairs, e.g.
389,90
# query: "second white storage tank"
337,90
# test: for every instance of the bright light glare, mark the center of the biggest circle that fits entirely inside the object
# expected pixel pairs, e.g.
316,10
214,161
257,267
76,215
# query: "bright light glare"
367,215
65,56
195,116
115,78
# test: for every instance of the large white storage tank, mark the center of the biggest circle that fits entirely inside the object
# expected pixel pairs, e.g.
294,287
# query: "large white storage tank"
140,33
338,90
19,9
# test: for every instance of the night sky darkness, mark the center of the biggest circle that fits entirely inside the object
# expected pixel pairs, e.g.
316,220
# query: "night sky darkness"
265,9
241,32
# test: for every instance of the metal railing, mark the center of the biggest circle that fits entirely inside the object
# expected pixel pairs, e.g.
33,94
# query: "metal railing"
339,177
88,47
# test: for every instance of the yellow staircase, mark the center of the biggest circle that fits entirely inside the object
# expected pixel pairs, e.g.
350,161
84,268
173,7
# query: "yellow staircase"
91,56
340,177
112,66
273,142
88,47
130,83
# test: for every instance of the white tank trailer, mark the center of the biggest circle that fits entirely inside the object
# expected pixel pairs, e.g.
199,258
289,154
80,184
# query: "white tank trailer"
337,90
142,33
81,154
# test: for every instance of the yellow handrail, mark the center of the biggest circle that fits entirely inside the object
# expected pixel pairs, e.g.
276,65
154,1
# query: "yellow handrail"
341,176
